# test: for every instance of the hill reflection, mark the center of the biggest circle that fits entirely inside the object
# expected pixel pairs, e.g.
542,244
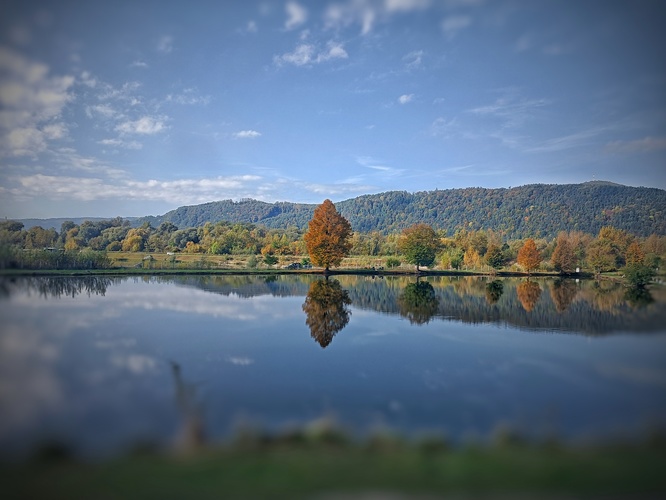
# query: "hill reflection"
586,307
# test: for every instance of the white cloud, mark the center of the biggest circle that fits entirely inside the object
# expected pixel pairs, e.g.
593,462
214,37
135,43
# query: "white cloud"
165,44
406,5
296,15
367,13
247,134
31,102
104,110
181,191
405,98
307,54
240,361
251,27
452,25
146,125
139,64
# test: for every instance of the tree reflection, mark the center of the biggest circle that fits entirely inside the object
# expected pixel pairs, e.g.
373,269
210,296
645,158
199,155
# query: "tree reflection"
418,302
528,294
57,286
326,309
191,435
563,293
638,297
494,291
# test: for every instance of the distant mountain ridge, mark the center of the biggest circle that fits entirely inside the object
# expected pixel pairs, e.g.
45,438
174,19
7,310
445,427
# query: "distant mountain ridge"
538,210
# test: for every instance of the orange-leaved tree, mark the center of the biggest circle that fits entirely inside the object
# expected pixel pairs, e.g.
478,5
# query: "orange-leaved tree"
528,256
328,237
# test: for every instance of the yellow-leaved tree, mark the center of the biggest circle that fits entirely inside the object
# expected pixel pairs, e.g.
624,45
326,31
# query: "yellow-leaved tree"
328,239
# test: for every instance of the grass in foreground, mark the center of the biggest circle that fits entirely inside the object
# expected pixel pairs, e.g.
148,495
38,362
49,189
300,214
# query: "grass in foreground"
307,470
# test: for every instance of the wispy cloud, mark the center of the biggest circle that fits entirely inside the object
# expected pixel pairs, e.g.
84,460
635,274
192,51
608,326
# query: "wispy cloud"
414,59
119,143
308,54
146,125
189,96
139,64
511,109
247,134
644,145
165,44
570,141
452,25
367,12
296,15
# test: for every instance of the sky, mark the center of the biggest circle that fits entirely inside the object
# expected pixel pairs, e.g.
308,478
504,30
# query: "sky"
132,108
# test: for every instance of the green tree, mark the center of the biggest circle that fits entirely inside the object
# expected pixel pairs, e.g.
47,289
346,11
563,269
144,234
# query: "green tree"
328,236
494,256
419,244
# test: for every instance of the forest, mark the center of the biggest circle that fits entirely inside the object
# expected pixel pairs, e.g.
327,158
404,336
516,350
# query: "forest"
538,210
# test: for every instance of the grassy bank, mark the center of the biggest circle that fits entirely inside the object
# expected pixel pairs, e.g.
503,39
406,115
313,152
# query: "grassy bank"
291,471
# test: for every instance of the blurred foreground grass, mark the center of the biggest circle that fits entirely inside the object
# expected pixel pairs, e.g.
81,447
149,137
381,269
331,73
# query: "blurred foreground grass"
333,469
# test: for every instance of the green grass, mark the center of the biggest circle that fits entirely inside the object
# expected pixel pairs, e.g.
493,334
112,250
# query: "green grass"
289,471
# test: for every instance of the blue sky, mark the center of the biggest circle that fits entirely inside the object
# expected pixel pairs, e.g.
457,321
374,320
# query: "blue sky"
136,107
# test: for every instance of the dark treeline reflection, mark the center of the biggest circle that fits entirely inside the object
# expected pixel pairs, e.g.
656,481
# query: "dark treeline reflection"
326,310
588,307
57,286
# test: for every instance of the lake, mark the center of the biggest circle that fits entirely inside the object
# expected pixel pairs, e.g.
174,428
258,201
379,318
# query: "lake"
100,364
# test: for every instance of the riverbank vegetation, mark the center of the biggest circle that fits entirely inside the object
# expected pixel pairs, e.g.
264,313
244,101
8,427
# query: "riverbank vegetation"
114,244
325,461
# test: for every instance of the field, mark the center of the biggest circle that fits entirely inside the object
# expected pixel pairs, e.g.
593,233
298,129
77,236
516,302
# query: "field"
161,261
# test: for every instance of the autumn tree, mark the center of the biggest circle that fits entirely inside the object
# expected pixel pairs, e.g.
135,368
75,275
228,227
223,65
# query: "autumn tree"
528,293
326,310
328,236
564,258
528,256
419,244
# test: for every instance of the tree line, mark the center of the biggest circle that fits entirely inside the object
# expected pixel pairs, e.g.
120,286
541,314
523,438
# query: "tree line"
329,238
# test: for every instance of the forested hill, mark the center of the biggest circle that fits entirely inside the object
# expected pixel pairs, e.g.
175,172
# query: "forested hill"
540,210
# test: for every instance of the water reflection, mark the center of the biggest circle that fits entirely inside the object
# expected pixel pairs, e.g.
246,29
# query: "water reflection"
494,291
528,294
92,367
418,302
587,307
191,435
326,309
563,293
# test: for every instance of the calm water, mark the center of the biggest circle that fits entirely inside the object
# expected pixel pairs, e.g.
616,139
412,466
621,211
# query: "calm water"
101,364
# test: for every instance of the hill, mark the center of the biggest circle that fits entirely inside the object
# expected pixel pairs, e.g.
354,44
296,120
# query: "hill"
540,210
537,210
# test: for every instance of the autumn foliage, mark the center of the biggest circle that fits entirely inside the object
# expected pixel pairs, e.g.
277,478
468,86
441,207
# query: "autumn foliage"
328,236
528,256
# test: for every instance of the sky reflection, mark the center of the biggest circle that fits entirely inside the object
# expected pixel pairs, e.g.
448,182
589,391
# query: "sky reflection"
96,371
